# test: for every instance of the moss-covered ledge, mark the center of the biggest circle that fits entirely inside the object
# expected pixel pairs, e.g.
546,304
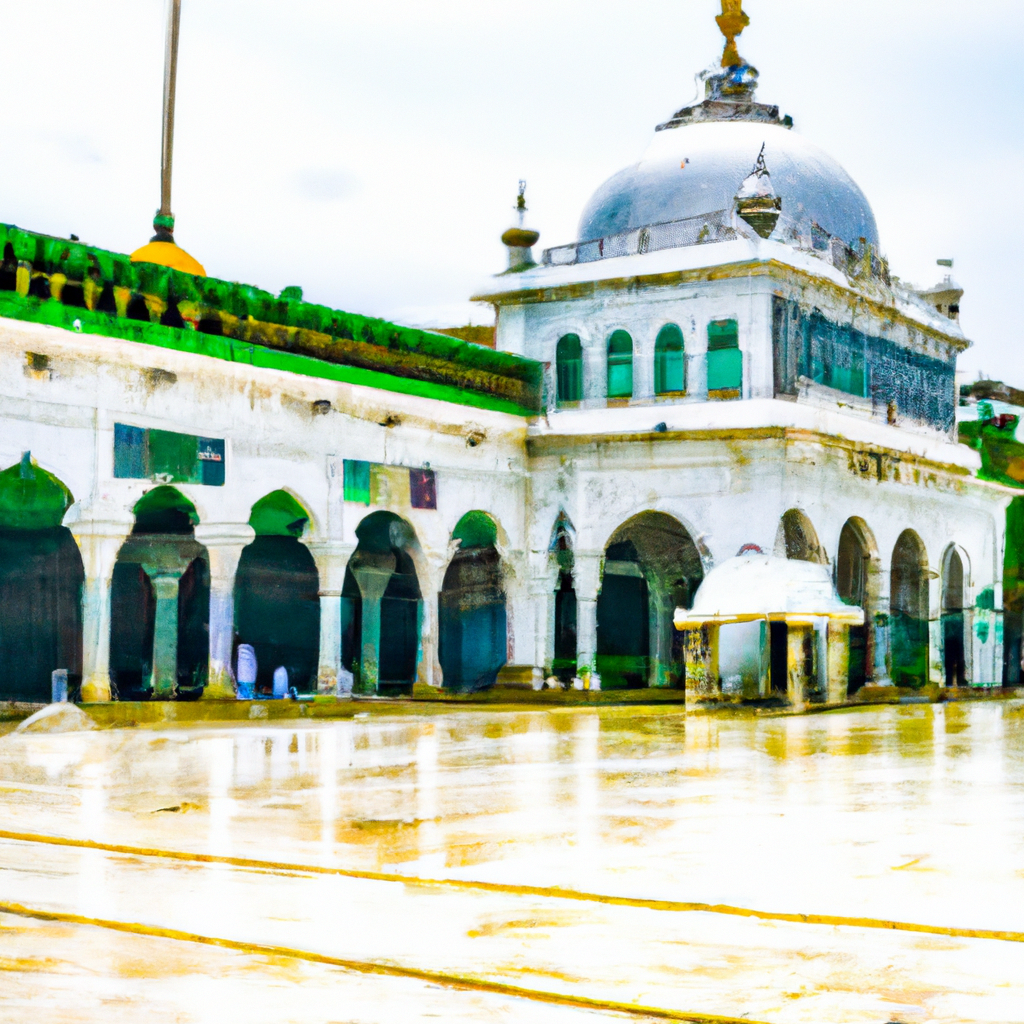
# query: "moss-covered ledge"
57,281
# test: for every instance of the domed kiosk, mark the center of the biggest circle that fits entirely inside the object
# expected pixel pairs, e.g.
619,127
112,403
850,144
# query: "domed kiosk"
799,651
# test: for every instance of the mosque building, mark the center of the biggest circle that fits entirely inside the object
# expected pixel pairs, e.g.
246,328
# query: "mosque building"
713,449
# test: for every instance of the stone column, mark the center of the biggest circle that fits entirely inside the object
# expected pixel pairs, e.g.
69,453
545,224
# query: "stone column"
702,681
373,578
936,670
224,543
662,628
331,560
588,582
99,542
165,633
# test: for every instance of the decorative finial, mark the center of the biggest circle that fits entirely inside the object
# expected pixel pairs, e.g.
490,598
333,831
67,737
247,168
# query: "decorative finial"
520,240
732,21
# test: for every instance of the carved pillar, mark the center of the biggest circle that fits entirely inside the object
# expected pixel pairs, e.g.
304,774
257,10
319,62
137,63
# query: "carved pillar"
838,655
701,646
331,560
800,637
431,582
165,632
99,542
224,543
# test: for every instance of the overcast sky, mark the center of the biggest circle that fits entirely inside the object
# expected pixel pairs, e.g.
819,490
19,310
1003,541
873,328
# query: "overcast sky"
369,151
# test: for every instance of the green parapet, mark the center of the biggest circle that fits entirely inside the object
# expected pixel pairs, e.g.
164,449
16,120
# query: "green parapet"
331,344
31,498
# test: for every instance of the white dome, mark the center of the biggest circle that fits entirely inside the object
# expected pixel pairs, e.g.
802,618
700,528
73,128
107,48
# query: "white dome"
751,587
697,169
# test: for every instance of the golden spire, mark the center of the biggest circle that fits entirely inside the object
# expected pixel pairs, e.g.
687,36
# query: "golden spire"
732,21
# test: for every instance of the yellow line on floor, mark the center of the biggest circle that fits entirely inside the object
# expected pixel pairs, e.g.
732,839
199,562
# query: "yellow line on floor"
554,892
454,981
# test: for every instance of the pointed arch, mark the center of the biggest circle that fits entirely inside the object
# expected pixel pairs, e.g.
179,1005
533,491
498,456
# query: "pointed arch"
908,602
652,566
160,602
382,607
472,615
277,594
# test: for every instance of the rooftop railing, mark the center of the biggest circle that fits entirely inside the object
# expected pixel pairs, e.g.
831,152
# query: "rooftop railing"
861,261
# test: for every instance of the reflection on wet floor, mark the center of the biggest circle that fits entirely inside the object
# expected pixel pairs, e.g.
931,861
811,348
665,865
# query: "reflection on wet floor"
906,813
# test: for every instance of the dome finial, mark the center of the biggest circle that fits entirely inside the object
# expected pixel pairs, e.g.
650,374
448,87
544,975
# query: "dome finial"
732,21
756,201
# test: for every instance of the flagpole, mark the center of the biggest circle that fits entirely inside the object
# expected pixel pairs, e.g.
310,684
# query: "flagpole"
164,221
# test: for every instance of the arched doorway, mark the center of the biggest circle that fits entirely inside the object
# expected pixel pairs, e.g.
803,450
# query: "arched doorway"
855,584
565,649
41,579
277,595
472,620
908,605
382,608
954,634
160,603
652,566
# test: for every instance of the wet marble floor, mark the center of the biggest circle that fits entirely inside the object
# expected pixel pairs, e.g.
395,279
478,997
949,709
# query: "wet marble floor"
910,814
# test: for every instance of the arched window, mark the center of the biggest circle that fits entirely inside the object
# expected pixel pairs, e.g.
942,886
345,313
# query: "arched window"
569,368
725,360
620,365
669,372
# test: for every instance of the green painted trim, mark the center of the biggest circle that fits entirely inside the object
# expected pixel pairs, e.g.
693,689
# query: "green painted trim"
54,314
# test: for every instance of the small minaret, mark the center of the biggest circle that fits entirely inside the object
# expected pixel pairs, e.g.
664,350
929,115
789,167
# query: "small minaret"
756,201
520,240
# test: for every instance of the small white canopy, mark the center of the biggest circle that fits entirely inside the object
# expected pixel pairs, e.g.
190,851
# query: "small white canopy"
758,587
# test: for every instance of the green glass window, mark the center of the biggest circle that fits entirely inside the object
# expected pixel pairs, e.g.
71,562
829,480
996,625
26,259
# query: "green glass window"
569,368
725,360
620,365
669,372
